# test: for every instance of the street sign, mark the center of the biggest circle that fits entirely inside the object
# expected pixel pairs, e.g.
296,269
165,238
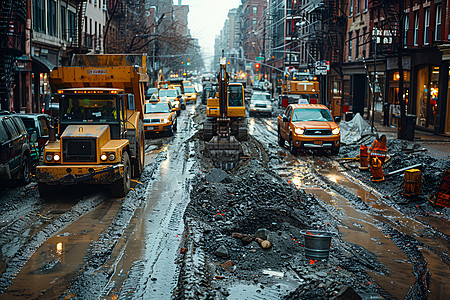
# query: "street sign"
259,58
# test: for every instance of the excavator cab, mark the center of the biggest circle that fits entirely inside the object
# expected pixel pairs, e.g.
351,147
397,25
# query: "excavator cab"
226,125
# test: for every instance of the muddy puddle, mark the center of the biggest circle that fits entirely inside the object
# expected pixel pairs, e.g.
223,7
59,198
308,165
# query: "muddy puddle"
51,268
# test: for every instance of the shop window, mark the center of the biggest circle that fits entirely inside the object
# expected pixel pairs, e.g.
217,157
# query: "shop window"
427,95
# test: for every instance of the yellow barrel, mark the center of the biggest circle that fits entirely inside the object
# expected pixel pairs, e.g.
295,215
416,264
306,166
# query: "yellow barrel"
413,182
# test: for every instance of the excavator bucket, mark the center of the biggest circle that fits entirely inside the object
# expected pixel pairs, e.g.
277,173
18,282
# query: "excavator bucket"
224,152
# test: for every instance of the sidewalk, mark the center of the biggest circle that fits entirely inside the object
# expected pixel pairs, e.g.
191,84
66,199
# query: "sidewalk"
437,145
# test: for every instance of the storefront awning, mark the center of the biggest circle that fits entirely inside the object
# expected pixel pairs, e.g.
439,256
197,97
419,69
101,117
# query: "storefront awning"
41,65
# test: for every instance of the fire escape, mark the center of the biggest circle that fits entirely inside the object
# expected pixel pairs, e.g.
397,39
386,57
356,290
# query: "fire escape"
386,12
12,44
335,22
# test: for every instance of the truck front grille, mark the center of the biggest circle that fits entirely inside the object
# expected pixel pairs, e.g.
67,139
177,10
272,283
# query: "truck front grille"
79,150
318,132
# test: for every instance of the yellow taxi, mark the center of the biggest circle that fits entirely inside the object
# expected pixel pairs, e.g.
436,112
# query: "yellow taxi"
160,117
173,96
309,126
190,93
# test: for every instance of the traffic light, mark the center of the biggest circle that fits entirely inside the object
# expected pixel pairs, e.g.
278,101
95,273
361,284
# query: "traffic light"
257,66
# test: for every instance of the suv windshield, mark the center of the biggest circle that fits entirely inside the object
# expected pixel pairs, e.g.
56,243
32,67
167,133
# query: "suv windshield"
158,107
261,97
96,109
311,114
167,93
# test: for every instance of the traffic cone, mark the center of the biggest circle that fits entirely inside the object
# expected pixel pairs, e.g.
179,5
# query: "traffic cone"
363,158
376,168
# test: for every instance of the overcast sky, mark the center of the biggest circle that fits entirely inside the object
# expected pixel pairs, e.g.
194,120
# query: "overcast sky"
206,19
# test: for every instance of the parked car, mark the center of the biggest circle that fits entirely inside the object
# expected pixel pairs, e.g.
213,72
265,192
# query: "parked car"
260,103
151,93
40,125
160,117
14,149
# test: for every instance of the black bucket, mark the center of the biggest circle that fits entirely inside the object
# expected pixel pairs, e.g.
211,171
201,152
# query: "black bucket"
317,244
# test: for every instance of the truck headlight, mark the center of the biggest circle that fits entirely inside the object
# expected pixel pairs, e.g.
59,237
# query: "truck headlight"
48,157
112,156
56,157
335,131
166,120
299,131
103,157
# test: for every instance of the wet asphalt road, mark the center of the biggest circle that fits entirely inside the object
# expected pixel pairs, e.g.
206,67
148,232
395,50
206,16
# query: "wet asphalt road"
85,244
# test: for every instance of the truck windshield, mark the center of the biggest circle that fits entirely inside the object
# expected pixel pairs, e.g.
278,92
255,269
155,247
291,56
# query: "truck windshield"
311,114
189,90
96,109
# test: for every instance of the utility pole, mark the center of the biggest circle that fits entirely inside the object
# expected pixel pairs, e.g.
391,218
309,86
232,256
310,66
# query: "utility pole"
401,133
375,81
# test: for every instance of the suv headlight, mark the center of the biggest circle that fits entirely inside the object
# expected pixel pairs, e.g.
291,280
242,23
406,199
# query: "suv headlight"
335,131
252,105
166,120
299,131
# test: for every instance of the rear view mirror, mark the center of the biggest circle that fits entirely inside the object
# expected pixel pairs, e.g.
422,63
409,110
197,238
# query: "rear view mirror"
131,104
337,119
285,118
33,136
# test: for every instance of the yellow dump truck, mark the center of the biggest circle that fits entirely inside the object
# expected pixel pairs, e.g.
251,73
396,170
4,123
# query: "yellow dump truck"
101,133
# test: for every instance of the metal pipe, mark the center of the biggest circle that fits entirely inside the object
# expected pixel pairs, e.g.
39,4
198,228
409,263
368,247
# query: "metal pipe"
403,169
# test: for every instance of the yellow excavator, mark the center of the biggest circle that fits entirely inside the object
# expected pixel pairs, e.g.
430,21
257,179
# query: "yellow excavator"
225,125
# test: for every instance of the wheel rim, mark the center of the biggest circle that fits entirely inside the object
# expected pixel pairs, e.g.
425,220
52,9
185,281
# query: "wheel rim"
127,175
26,171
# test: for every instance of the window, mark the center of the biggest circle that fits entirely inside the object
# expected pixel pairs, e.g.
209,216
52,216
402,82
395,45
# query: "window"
63,23
38,15
254,21
349,46
357,44
358,6
405,40
351,8
416,28
51,18
426,26
366,4
255,9
363,41
437,29
71,26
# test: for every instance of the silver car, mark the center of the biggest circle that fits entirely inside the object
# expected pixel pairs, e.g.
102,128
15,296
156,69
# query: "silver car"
260,104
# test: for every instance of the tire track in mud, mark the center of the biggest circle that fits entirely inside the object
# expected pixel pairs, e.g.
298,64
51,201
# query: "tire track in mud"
94,276
23,254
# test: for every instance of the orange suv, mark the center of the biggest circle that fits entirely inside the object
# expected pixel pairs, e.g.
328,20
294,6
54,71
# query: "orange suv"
309,126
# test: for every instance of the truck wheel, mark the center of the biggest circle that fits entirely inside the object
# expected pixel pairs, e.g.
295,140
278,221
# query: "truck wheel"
45,190
292,148
335,150
281,141
24,172
139,162
121,187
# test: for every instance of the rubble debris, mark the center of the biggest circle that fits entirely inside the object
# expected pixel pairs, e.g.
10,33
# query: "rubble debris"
216,175
247,239
221,251
273,273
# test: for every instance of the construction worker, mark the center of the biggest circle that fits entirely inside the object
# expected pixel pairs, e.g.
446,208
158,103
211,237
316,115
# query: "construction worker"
109,110
379,148
75,111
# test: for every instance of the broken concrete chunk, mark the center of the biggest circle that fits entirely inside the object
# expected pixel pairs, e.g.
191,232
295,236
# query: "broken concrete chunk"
216,175
262,233
273,273
222,251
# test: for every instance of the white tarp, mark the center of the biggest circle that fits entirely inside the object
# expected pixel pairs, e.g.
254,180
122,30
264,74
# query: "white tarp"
356,129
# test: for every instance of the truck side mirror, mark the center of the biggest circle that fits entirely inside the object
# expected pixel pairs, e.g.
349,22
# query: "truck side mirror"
131,103
337,119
